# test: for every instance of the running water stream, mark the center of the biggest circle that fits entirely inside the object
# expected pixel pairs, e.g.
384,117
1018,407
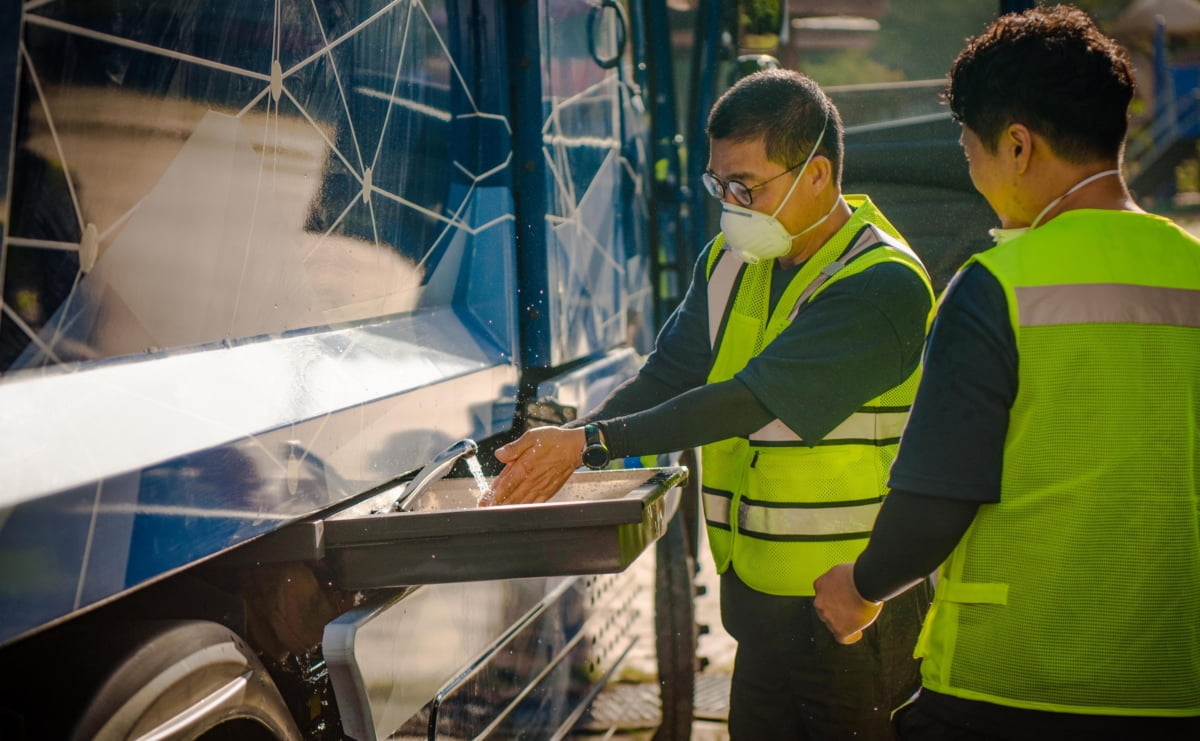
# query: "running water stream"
484,492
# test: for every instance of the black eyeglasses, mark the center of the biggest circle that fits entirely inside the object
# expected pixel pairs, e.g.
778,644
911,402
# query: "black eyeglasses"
741,192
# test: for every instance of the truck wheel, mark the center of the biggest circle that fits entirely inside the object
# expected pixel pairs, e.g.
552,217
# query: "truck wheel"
186,680
675,618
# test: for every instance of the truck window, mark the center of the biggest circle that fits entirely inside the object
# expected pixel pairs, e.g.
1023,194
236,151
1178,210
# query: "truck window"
212,173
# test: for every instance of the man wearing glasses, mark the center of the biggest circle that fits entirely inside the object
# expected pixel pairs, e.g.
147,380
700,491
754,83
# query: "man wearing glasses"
793,360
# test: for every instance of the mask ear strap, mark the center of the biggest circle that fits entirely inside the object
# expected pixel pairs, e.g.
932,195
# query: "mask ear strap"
819,221
811,154
1091,178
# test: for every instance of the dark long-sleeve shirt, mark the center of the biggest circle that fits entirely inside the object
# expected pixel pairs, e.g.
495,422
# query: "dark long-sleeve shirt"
951,454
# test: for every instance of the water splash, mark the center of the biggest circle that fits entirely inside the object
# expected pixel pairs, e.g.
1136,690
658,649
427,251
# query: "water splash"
484,491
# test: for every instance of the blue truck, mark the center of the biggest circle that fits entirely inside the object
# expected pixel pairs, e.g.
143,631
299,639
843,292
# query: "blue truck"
270,267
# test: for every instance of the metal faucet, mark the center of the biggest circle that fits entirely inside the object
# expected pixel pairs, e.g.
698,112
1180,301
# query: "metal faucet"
435,471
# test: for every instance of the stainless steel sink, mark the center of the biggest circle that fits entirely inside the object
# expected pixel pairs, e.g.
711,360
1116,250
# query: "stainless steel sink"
599,522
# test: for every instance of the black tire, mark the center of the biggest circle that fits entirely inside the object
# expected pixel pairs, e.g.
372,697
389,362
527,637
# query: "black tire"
194,679
675,614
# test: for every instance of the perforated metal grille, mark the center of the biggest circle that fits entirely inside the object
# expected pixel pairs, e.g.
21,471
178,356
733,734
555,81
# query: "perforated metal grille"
628,706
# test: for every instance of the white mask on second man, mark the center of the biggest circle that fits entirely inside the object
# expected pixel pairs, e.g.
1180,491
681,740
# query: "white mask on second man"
1000,236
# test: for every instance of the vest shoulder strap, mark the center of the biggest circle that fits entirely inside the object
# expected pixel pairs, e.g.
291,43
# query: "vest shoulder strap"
724,272
868,238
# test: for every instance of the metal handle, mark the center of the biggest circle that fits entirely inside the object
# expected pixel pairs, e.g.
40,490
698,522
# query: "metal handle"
622,32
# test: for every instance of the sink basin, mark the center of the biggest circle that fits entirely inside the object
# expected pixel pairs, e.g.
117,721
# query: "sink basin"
599,522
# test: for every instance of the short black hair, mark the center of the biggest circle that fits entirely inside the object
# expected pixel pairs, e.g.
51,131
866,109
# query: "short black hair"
1052,70
787,110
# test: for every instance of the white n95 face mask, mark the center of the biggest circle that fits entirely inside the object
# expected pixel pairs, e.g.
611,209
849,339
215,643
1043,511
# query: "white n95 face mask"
1000,236
753,236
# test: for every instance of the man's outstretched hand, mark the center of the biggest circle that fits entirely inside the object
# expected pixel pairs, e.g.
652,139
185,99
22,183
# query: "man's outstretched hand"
841,607
537,465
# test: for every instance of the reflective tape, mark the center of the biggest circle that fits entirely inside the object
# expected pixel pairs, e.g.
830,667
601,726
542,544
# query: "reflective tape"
865,239
797,521
870,237
720,291
1107,303
716,507
878,426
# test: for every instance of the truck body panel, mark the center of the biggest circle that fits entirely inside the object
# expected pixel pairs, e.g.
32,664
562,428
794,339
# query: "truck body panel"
262,262
261,259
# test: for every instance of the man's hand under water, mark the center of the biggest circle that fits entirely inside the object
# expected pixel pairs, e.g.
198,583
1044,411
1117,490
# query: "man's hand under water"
537,465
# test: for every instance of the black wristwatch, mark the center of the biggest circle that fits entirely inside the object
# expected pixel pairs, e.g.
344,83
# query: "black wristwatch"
595,452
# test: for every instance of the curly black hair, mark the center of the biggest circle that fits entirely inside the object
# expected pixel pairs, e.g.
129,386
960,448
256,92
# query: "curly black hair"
1052,70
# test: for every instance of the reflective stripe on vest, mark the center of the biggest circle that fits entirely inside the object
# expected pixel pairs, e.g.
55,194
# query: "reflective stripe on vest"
793,522
716,506
878,426
868,239
721,283
1115,303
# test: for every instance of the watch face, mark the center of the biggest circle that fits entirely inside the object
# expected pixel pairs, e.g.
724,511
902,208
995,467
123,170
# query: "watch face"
595,457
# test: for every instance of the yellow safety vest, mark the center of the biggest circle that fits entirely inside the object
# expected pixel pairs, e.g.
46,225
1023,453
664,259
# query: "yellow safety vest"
781,510
1079,591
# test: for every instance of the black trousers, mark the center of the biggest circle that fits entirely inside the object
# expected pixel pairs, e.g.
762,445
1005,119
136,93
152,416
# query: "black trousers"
792,680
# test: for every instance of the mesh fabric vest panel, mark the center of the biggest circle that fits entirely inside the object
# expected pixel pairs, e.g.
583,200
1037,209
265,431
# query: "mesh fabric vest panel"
780,511
1080,590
